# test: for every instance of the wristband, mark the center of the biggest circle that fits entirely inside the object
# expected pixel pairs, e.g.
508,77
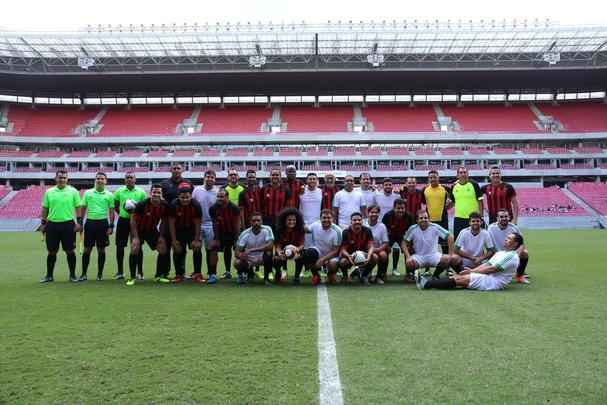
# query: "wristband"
79,221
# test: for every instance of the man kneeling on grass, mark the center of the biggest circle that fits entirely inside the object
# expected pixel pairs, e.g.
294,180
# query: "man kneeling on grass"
493,275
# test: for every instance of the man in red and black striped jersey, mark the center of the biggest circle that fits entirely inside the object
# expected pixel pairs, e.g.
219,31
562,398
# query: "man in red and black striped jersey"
148,224
185,216
398,221
295,186
414,198
249,200
498,195
354,238
226,228
329,189
275,199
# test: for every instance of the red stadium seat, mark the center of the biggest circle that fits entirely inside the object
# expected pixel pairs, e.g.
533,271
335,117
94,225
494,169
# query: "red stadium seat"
400,117
48,121
152,121
322,119
492,117
578,116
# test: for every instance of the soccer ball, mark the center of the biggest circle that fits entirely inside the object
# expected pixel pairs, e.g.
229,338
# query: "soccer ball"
290,251
359,257
129,205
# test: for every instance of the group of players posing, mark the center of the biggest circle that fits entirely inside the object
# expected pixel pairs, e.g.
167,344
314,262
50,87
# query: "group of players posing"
347,232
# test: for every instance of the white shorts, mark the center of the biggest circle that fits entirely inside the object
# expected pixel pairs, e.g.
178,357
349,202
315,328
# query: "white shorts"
207,235
430,260
485,282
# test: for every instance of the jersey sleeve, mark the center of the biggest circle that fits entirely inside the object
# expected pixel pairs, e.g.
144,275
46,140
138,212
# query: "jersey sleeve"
85,199
510,191
442,232
503,261
339,233
242,239
117,195
197,209
484,189
269,234
386,219
477,190
409,234
460,240
489,245
336,199
369,233
45,200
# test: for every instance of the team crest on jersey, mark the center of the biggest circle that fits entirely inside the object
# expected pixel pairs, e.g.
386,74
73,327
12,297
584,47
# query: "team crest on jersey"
267,195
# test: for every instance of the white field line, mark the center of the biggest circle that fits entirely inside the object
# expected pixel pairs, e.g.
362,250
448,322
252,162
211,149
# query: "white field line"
328,371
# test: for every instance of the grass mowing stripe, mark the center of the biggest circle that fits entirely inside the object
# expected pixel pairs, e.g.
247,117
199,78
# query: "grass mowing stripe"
328,371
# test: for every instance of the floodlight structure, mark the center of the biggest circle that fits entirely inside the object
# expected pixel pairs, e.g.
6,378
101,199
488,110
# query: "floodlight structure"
259,60
375,59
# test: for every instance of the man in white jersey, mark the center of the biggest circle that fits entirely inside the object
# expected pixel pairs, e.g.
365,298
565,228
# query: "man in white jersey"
326,241
310,200
254,247
206,196
366,189
424,237
347,202
473,246
385,198
496,274
381,241
499,232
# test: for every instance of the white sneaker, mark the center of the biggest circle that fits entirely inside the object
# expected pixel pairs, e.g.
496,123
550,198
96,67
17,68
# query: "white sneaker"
420,279
395,273
140,277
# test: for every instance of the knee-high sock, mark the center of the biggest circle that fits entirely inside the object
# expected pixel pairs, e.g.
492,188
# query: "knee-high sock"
277,269
86,259
140,262
522,266
395,258
211,269
100,263
267,265
162,265
50,264
227,258
179,261
441,283
440,268
133,260
120,259
382,269
197,259
298,267
71,263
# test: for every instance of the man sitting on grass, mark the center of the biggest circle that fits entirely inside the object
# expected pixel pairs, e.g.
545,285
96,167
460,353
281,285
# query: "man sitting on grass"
493,275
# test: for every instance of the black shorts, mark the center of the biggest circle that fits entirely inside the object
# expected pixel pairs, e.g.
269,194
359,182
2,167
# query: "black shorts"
151,238
226,243
60,232
123,231
185,238
95,233
393,241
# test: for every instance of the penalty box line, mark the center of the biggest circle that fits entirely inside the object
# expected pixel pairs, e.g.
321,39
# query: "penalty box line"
328,370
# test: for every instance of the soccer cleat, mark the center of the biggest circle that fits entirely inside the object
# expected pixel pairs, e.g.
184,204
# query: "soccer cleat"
74,279
162,280
82,278
267,283
315,280
119,276
140,276
355,273
130,282
241,279
364,281
420,279
99,277
409,278
522,280
258,274
395,273
283,275
379,281
227,275
271,276
46,279
197,278
178,280
212,279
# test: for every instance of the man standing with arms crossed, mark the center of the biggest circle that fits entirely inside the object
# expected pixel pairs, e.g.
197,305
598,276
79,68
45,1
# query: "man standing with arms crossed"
467,198
60,207
123,228
98,205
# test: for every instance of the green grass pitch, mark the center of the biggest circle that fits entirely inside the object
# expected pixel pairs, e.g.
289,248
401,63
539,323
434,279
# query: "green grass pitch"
99,342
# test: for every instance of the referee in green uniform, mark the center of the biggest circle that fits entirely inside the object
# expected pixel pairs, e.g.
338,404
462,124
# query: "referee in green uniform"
98,205
467,198
123,228
60,207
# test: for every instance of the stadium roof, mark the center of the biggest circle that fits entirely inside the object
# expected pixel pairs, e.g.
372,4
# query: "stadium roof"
246,50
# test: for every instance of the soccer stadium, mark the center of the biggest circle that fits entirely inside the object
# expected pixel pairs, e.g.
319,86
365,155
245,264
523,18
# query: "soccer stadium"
390,100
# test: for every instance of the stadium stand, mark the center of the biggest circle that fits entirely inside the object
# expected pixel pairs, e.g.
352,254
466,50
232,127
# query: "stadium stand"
321,119
594,194
546,202
492,118
4,191
318,152
157,153
578,116
25,204
400,118
234,120
47,121
184,153
237,152
152,121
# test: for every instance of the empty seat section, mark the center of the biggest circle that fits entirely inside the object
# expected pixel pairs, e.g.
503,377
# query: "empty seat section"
594,194
233,120
492,118
399,118
47,121
546,202
578,117
159,121
322,119
25,204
